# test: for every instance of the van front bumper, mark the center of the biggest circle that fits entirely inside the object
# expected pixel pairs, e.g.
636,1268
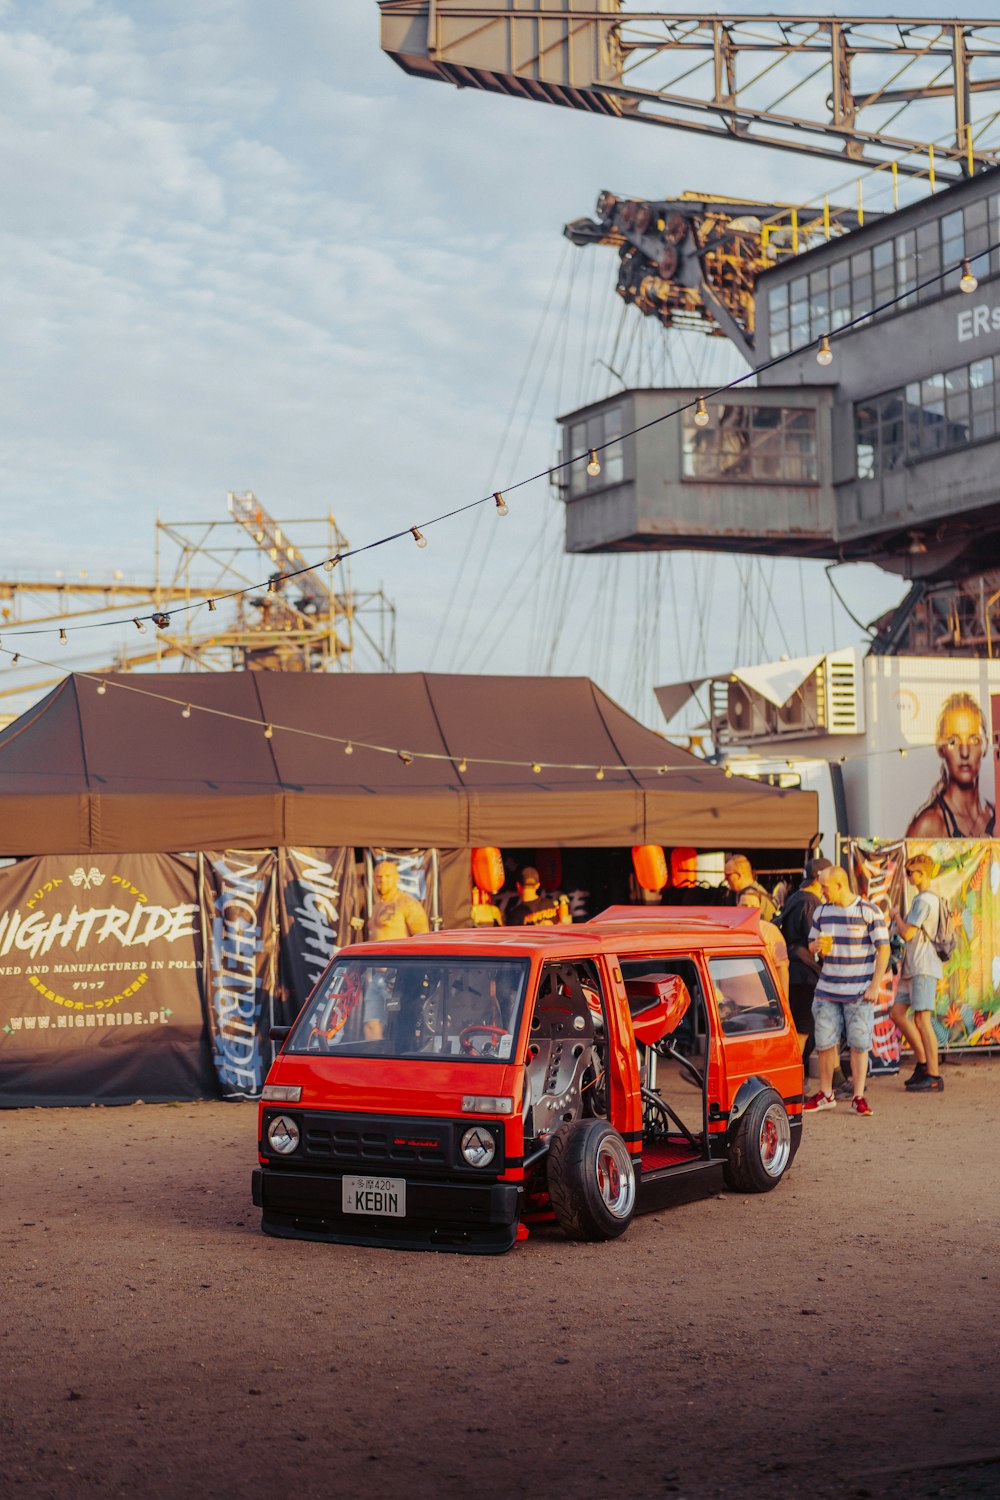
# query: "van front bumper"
440,1215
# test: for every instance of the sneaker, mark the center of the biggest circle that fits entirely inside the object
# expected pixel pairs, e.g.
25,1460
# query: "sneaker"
821,1101
931,1083
919,1072
844,1090
860,1105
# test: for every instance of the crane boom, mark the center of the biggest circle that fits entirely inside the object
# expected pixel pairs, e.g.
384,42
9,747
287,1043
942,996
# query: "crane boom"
851,77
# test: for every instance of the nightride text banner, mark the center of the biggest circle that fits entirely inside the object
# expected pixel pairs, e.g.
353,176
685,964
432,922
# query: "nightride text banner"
238,915
318,895
100,999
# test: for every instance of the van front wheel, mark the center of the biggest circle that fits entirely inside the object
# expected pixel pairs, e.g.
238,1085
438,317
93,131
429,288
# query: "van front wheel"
591,1180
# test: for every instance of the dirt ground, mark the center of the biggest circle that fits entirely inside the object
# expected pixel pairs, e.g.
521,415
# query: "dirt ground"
836,1337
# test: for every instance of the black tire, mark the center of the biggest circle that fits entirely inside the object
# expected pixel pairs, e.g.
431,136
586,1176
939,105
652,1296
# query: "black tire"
761,1148
591,1180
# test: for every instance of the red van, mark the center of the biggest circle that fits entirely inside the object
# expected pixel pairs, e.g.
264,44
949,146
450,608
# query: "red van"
450,1090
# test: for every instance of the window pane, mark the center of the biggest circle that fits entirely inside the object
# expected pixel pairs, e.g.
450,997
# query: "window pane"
861,283
745,996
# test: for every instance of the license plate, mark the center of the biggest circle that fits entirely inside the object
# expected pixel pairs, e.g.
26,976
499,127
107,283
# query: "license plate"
375,1195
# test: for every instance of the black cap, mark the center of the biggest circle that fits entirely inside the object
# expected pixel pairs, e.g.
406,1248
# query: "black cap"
814,867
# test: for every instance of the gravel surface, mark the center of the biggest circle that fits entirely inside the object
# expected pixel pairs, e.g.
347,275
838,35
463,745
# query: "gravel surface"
833,1338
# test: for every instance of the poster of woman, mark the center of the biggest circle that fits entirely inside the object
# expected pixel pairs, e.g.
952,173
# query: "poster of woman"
956,808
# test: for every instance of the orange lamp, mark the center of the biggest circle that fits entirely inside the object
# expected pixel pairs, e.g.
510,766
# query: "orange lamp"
650,865
487,870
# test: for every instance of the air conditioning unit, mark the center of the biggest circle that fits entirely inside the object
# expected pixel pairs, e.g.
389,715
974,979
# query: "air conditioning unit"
748,715
801,713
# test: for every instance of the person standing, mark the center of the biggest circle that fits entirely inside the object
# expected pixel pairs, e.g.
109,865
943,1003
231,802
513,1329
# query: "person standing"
739,877
850,935
773,940
803,969
922,971
532,907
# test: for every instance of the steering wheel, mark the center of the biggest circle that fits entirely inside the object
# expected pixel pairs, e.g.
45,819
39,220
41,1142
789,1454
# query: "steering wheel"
480,1029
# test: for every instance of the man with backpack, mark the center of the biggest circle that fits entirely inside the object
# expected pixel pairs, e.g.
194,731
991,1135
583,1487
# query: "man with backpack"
921,929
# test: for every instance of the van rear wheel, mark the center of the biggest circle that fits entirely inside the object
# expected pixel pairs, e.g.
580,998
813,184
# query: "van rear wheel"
761,1147
591,1180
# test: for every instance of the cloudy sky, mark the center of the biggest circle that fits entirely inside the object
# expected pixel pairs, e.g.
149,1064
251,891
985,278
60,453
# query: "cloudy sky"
241,250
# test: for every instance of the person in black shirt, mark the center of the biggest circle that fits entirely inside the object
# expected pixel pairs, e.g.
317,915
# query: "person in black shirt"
532,907
795,923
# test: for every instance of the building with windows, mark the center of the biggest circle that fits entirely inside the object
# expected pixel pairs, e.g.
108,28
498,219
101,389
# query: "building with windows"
889,452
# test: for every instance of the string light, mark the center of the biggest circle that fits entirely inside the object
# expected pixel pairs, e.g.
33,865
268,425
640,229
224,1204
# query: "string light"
502,507
902,752
405,757
186,711
348,748
15,658
63,638
535,767
139,626
824,354
594,464
463,765
161,621
727,771
269,732
102,688
272,585
968,283
600,774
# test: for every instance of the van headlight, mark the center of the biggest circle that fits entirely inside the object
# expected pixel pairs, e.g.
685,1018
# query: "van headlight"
478,1146
283,1135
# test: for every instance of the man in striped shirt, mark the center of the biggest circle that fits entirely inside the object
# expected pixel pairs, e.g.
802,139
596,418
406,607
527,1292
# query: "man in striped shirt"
849,934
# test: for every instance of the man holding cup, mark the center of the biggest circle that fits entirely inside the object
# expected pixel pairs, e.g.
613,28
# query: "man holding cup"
850,937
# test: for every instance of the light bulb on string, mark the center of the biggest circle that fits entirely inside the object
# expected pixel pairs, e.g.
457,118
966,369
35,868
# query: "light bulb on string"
211,606
272,585
331,563
269,732
463,765
594,464
599,775
502,507
701,413
727,771
902,752
102,688
15,658
186,711
824,354
63,638
348,748
418,536
405,757
535,767
969,281
139,626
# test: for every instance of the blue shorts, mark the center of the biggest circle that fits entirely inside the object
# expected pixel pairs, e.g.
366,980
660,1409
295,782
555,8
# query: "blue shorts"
919,991
834,1019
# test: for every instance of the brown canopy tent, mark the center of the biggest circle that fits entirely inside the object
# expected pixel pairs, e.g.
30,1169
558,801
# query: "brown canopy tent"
124,770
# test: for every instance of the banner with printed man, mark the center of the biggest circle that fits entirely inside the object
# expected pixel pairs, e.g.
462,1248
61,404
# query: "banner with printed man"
100,1000
967,875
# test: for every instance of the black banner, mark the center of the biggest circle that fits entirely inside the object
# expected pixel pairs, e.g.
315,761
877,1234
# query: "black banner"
100,1000
318,895
238,913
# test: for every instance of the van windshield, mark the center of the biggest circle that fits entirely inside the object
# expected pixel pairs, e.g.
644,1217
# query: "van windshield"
414,1007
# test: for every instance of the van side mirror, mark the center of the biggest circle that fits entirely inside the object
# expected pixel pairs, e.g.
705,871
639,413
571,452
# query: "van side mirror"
279,1033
